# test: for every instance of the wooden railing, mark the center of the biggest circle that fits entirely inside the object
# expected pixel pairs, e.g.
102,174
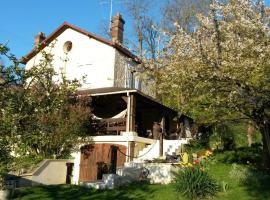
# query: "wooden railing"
111,126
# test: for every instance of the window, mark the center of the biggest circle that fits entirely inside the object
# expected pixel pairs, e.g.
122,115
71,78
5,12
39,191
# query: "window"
67,46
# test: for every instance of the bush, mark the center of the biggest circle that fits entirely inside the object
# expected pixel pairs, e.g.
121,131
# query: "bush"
239,173
25,164
194,183
242,155
248,175
195,146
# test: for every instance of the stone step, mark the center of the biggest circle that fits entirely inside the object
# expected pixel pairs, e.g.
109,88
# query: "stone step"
152,151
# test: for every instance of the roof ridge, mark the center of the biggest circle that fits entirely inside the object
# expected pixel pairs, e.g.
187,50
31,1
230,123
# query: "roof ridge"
66,25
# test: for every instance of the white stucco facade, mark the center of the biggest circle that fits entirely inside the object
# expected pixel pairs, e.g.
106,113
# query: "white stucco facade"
94,63
88,58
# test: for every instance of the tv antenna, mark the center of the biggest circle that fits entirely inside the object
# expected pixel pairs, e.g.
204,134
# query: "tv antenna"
111,3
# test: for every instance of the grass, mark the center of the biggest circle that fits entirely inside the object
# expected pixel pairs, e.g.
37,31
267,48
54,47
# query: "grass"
135,192
250,191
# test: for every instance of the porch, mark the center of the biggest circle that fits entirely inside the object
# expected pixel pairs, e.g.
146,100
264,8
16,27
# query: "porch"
119,110
130,149
129,126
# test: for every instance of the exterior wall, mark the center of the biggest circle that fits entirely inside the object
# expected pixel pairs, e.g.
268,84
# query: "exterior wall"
120,70
77,158
123,75
121,140
51,172
98,159
88,57
159,173
94,63
76,168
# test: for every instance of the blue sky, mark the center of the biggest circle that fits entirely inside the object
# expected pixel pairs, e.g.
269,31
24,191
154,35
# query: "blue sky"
22,19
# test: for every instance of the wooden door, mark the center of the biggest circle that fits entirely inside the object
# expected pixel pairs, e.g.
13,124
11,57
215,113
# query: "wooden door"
95,160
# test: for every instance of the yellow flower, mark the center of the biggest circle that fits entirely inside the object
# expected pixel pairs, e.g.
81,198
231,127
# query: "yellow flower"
190,165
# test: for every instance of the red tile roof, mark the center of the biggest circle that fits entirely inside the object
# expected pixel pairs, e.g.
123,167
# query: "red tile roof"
67,25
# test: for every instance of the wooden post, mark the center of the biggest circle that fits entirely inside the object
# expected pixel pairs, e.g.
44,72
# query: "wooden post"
161,145
128,113
131,150
161,137
113,159
131,112
156,130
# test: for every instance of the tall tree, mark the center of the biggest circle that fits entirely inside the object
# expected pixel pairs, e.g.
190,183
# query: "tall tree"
183,13
146,36
221,70
39,116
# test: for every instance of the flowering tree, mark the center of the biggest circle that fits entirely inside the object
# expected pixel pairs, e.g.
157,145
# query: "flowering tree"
221,70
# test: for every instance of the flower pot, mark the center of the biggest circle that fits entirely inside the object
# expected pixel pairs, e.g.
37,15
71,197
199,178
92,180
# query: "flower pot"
4,194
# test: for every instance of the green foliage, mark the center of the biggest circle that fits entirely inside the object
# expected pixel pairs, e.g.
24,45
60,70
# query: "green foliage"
232,190
25,163
231,135
194,183
242,155
248,176
239,173
5,160
220,71
195,146
40,113
224,136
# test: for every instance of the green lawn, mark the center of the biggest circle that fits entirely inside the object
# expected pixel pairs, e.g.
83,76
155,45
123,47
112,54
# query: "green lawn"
138,192
250,191
235,191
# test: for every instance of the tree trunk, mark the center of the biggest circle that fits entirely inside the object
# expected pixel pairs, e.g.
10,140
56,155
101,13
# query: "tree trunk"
266,154
250,134
265,131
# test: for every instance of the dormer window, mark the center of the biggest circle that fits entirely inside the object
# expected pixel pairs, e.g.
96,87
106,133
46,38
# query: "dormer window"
67,46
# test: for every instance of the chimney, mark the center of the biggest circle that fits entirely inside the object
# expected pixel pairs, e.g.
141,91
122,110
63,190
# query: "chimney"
117,28
39,38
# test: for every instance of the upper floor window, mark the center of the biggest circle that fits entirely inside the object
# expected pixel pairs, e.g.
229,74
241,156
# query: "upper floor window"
67,46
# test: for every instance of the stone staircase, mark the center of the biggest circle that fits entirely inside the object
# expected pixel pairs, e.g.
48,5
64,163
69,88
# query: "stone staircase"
159,173
152,151
109,181
123,176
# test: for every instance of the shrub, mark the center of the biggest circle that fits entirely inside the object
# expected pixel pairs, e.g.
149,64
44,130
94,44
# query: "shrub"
195,146
25,164
248,175
239,173
195,183
242,155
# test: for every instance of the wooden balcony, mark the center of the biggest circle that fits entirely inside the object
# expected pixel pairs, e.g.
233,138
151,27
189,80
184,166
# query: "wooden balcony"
111,126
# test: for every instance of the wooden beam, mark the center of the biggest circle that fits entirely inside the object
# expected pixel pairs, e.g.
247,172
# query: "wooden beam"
131,150
132,113
161,136
125,98
128,113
